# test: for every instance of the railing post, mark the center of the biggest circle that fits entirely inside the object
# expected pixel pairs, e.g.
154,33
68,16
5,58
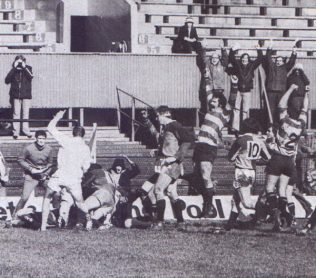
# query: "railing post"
81,117
133,119
197,118
70,116
309,118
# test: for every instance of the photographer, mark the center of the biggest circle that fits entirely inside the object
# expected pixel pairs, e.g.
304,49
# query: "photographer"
20,78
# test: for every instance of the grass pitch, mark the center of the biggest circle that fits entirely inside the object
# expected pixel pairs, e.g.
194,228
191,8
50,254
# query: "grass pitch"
146,253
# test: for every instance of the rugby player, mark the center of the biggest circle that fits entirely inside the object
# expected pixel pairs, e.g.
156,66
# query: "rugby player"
36,161
245,152
173,143
205,150
74,159
283,147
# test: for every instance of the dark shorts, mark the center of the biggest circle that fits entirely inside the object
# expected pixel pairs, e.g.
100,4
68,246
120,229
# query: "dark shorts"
280,164
204,152
153,179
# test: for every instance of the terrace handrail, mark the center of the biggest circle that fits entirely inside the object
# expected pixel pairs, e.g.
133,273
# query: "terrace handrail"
133,106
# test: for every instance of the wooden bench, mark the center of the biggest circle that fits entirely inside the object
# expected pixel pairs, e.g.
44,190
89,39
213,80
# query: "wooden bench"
232,19
25,34
175,7
35,46
226,39
240,30
291,3
241,9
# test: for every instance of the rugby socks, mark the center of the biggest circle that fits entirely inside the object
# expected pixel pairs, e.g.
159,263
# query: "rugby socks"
282,206
272,200
312,220
291,207
208,194
231,221
161,205
177,210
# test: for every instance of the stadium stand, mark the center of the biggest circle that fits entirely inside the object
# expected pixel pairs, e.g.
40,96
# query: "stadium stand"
25,26
241,22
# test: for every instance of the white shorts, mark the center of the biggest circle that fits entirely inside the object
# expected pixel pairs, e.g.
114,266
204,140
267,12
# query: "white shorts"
244,178
57,183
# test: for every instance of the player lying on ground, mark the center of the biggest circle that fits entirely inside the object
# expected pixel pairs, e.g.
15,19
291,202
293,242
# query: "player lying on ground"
245,152
73,160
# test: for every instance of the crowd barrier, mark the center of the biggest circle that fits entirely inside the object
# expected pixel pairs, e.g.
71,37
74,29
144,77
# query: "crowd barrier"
90,80
191,210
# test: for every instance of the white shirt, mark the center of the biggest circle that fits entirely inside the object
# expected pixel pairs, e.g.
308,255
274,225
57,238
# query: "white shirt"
73,157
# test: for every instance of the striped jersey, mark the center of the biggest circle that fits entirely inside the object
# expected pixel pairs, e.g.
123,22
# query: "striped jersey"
211,129
246,150
288,134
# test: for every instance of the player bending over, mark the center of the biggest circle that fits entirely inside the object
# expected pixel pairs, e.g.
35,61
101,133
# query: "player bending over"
73,161
245,152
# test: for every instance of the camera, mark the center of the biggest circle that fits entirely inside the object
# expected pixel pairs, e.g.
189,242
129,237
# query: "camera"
19,64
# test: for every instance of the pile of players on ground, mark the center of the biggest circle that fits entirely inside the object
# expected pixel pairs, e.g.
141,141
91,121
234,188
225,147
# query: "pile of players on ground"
101,198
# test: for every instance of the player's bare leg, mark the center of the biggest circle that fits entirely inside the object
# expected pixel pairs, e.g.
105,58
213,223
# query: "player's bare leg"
272,200
160,186
46,207
208,191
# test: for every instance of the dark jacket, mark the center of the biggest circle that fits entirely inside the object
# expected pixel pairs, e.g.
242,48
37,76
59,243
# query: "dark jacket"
21,83
127,173
245,74
277,75
184,32
300,80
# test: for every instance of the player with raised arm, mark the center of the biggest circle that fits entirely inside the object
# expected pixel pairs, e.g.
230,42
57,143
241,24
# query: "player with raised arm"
173,141
74,159
283,147
205,150
247,149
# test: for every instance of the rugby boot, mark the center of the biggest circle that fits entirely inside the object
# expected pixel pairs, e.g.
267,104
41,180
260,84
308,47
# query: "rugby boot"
158,226
181,226
277,224
208,210
305,231
232,221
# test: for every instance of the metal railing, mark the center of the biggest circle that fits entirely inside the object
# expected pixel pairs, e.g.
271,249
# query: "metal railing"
134,122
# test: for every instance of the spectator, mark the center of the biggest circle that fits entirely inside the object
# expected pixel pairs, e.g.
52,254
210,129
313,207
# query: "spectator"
244,68
217,66
276,78
299,78
187,39
20,77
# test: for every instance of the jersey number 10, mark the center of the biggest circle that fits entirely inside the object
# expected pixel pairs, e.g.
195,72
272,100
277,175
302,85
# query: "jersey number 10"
253,149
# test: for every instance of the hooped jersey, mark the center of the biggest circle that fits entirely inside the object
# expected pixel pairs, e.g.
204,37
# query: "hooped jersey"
288,134
211,129
246,150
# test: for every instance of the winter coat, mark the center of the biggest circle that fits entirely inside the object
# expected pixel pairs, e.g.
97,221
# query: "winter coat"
21,83
277,75
245,74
